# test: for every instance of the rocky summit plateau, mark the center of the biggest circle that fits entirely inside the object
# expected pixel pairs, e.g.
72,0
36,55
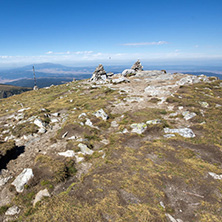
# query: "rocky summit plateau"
141,145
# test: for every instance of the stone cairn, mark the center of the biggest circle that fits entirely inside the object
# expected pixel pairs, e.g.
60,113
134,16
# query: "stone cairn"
99,74
137,66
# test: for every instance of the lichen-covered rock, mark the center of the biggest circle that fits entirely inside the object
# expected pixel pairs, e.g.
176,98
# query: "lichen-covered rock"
154,122
22,179
101,114
138,128
120,80
185,132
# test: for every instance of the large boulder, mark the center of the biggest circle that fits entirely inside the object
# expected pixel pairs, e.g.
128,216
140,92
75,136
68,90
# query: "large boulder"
99,74
137,66
128,72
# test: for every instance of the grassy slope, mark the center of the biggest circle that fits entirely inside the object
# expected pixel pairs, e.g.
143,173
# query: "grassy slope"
137,172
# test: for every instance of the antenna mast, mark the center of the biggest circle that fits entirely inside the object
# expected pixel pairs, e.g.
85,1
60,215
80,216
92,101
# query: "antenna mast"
35,85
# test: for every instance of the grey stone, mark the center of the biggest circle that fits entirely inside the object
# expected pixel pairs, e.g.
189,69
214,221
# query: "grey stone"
138,128
39,123
65,134
215,176
3,181
101,114
68,153
127,72
85,150
154,121
22,179
39,196
169,135
42,130
204,104
114,124
185,132
188,115
120,80
12,211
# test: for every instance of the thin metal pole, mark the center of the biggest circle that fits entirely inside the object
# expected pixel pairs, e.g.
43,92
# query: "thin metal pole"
34,76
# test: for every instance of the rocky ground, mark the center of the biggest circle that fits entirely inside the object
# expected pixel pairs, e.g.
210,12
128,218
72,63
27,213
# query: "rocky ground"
136,146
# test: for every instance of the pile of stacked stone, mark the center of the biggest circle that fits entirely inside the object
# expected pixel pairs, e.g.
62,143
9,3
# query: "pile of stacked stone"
99,74
135,68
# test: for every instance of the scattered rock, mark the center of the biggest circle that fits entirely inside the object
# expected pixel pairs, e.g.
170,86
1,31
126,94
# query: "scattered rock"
154,122
138,128
68,153
85,150
3,181
101,114
39,196
12,211
125,131
204,104
42,130
65,134
188,115
120,80
82,115
185,132
215,176
22,179
39,123
55,114
169,135
114,124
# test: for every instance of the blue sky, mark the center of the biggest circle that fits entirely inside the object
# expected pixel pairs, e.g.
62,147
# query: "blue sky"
91,31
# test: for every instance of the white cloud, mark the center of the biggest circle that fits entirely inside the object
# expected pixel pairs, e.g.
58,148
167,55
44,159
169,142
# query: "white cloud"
68,53
146,43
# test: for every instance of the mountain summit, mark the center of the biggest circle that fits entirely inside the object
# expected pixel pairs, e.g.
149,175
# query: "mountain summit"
138,147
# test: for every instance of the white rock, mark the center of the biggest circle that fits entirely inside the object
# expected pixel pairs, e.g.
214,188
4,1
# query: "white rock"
22,179
128,72
85,149
65,134
172,219
155,121
79,158
215,176
39,196
204,104
39,123
12,211
169,135
138,128
68,153
55,114
3,181
71,138
125,131
185,132
188,115
53,120
120,80
105,141
24,109
101,114
89,123
82,115
114,124
42,130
